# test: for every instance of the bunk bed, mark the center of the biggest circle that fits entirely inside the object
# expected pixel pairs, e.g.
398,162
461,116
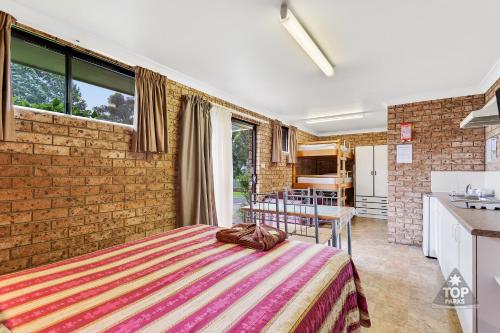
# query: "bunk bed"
307,173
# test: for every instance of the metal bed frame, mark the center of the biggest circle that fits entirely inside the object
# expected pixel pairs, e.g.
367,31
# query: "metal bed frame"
298,213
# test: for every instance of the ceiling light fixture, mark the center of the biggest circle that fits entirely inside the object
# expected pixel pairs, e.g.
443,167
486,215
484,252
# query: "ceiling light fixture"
336,118
301,36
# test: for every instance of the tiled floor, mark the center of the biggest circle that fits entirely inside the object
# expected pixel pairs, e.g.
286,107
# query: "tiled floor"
399,282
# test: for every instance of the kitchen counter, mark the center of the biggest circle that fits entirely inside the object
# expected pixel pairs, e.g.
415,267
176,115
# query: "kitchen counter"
478,222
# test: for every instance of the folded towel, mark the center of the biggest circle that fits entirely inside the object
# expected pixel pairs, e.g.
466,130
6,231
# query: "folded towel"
261,237
232,235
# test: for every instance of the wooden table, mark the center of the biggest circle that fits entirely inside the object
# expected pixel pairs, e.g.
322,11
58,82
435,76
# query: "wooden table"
339,217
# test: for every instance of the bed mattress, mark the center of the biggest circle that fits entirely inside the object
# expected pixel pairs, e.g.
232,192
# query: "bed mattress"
324,180
321,146
186,281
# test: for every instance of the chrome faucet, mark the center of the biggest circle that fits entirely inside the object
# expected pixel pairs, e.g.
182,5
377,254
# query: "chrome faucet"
467,189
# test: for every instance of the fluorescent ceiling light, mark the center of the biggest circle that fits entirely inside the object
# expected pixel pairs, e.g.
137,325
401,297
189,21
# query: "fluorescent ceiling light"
336,118
300,35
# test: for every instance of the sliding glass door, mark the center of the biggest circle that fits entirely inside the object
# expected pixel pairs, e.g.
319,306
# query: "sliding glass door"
244,165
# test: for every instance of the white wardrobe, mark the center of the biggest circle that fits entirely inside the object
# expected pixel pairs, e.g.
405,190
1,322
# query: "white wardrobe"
371,181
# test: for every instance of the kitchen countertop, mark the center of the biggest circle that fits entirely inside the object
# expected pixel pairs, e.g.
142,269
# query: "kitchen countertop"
479,222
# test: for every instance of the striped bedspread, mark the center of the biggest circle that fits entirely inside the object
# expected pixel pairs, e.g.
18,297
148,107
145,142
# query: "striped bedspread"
186,281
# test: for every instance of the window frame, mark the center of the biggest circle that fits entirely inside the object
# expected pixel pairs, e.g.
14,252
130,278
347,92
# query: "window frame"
284,138
69,53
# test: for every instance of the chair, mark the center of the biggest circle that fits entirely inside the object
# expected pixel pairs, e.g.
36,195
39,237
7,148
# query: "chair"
328,198
261,206
331,198
301,215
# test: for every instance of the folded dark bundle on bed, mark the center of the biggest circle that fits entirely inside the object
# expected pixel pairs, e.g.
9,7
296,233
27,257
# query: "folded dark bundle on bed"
261,237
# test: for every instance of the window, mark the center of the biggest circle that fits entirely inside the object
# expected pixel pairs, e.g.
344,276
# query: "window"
57,78
284,139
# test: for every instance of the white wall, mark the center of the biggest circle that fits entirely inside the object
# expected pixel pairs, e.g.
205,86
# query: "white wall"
492,181
448,181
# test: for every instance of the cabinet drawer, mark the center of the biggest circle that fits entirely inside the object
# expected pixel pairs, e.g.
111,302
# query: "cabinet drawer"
371,211
361,198
378,205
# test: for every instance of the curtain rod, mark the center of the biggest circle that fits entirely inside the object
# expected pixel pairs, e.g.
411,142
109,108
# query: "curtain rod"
241,114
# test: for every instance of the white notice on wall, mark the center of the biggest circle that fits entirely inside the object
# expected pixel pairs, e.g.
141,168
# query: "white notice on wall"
488,151
491,150
404,153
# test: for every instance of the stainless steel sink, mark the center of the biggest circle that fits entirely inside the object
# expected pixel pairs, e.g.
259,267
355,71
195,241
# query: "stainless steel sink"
474,201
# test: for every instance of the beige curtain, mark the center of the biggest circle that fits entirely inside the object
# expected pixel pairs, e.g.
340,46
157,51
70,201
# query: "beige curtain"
7,122
151,134
197,199
292,145
277,142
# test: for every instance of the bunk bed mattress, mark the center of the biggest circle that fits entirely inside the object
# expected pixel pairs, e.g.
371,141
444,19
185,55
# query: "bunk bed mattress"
185,280
321,146
323,180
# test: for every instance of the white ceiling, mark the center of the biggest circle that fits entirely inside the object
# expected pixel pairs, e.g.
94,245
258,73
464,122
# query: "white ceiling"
385,51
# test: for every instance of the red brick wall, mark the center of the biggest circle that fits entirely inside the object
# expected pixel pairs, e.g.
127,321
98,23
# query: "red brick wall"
493,131
439,144
69,186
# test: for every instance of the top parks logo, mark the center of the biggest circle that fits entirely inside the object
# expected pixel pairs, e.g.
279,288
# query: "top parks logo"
455,293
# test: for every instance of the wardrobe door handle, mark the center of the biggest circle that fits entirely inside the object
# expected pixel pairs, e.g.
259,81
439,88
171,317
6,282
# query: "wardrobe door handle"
497,279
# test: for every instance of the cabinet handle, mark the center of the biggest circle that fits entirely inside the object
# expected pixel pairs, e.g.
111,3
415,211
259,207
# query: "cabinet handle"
456,233
497,279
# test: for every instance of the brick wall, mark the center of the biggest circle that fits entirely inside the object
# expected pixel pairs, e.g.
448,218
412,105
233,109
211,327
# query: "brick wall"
439,144
360,139
493,131
274,176
69,186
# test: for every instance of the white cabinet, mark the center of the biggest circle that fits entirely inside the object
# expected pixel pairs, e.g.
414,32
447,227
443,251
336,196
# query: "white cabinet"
478,260
466,266
431,226
371,181
364,170
380,171
448,259
455,250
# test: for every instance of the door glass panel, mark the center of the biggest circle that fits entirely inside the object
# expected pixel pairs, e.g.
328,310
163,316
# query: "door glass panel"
243,166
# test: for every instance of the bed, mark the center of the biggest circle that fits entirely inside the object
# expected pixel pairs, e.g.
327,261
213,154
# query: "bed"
320,149
321,146
185,281
323,179
327,182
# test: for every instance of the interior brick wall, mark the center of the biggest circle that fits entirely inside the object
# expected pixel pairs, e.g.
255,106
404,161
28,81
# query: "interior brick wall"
360,139
493,131
69,186
274,176
439,144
